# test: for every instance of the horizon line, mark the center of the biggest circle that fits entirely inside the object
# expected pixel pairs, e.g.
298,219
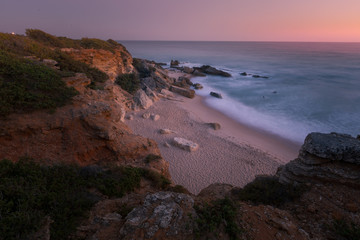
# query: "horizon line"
270,41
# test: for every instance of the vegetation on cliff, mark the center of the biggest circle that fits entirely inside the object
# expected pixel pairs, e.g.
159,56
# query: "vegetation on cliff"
20,79
26,86
29,193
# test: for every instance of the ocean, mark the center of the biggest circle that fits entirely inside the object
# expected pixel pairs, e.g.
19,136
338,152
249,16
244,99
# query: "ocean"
311,87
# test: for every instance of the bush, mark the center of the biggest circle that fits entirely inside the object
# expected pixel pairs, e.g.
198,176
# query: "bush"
269,191
30,192
142,69
220,213
346,231
26,86
129,82
151,158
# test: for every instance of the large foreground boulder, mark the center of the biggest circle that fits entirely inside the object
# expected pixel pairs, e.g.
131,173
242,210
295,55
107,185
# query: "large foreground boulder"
164,215
142,100
327,158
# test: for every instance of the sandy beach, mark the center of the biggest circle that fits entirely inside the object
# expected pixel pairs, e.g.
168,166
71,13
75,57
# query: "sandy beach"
235,154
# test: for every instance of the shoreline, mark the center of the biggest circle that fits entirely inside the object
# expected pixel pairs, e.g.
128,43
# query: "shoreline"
282,149
234,155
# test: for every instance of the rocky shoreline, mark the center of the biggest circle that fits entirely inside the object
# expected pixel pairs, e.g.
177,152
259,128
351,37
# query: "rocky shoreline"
314,196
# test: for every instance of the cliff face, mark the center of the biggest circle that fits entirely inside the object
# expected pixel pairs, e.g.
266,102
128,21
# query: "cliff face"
90,130
112,63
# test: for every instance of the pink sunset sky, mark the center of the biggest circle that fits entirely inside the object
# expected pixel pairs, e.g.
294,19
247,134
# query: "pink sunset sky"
198,20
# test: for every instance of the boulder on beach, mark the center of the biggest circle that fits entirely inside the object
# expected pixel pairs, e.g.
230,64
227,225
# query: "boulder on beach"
183,91
212,71
166,131
146,116
142,100
155,117
166,93
185,144
215,126
215,94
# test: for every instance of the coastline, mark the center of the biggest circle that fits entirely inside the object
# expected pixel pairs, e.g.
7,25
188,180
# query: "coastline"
234,155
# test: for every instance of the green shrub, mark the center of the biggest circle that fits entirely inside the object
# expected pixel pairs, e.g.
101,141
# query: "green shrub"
346,231
142,69
26,86
152,157
220,213
30,192
269,191
129,82
44,38
94,43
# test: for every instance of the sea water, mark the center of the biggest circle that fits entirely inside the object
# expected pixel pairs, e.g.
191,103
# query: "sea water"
311,87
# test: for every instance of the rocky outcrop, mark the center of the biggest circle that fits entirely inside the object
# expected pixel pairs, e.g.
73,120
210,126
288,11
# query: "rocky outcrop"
198,86
185,144
183,91
112,63
325,158
79,82
164,215
89,131
141,100
212,71
174,63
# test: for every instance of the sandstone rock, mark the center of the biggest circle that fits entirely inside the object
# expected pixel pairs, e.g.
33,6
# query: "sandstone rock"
155,117
174,63
198,86
165,131
212,71
150,93
146,115
166,145
130,117
166,93
142,100
51,63
185,144
182,91
215,94
325,158
215,126
80,81
149,82
164,215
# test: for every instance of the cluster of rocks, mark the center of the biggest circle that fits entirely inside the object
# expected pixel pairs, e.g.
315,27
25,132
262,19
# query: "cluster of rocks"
253,75
199,71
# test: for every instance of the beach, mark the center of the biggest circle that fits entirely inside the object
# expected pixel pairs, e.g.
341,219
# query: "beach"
234,154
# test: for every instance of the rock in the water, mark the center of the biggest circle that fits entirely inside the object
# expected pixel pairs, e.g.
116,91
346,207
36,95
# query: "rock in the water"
174,63
215,94
212,71
142,100
182,91
188,70
146,115
165,131
215,126
327,158
198,73
198,86
258,76
243,74
164,214
185,144
155,117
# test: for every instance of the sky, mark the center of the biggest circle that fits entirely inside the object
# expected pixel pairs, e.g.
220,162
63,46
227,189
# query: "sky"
189,20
